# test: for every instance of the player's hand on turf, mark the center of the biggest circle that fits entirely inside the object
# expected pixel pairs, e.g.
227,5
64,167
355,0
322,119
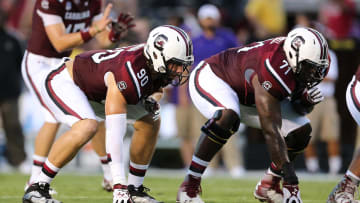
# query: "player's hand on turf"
153,107
120,26
291,193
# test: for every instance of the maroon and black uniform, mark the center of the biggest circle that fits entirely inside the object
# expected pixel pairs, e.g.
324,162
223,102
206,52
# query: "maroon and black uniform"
266,59
132,74
74,16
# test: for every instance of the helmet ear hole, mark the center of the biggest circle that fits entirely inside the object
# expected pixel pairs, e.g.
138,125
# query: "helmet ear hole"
290,55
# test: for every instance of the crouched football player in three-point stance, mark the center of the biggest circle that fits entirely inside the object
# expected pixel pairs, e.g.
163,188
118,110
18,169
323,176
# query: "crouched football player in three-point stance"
129,82
268,85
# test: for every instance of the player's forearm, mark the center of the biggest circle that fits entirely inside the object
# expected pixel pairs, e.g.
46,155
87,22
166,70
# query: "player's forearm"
277,147
63,42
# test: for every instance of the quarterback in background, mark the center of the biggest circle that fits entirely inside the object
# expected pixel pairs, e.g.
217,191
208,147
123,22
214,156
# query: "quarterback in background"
269,85
121,83
58,27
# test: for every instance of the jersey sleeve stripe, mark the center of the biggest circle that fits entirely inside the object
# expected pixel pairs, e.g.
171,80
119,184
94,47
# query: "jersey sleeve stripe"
201,91
133,78
58,102
49,19
276,76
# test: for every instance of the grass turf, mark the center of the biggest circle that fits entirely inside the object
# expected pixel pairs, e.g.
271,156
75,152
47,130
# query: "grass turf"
87,189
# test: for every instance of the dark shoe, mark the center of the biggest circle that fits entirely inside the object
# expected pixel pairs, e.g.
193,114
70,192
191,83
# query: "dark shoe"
140,194
38,193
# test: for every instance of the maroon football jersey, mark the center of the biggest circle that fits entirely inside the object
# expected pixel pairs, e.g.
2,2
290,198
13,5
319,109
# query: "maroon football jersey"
132,74
267,59
74,16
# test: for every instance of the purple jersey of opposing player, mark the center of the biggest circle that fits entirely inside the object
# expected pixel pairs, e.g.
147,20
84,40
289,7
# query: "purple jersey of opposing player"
129,66
74,16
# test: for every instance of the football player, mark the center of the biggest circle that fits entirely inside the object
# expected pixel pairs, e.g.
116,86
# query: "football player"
123,83
57,27
259,85
345,189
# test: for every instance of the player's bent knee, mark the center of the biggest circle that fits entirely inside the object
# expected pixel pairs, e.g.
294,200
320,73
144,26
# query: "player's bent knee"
221,126
298,139
147,125
84,130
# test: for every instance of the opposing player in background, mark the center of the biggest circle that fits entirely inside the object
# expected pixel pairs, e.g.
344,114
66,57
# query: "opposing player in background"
123,83
57,27
345,190
262,85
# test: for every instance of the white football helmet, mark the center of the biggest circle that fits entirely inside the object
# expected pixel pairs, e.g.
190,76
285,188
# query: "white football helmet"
307,53
169,44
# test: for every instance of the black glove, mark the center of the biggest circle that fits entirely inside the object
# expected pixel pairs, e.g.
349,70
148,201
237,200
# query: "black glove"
152,106
122,24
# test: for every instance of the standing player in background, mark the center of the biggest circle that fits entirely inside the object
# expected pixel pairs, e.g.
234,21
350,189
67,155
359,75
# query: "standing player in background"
57,27
124,82
345,190
261,85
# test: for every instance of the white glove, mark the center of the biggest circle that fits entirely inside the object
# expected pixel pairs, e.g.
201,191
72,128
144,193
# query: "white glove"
121,196
314,96
152,106
291,194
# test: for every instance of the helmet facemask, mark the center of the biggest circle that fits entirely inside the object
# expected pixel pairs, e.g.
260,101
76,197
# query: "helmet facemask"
307,53
309,72
177,78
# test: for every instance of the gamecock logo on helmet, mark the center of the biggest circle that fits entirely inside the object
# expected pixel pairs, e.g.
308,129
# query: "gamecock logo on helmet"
160,42
297,42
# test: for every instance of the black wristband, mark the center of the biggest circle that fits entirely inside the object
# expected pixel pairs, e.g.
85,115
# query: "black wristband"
289,174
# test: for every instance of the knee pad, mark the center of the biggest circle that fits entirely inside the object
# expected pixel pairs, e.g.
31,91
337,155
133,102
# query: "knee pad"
298,139
221,126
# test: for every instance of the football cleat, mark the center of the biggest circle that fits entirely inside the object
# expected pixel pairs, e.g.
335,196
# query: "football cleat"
268,189
291,193
107,185
189,191
39,193
121,194
140,194
52,191
343,192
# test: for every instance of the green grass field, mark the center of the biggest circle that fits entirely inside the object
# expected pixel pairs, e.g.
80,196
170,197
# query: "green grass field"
86,189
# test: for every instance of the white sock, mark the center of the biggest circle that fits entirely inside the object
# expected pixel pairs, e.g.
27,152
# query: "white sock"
199,164
38,161
353,176
137,174
334,164
312,164
48,172
106,168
